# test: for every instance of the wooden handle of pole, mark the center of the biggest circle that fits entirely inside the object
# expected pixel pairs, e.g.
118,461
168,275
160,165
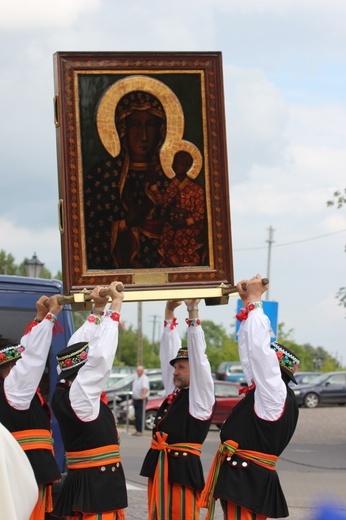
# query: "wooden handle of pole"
65,300
265,281
105,291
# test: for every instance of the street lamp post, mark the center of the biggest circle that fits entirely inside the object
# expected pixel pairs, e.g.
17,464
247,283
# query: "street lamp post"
33,267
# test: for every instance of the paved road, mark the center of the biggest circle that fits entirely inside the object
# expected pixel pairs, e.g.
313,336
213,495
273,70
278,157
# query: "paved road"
312,469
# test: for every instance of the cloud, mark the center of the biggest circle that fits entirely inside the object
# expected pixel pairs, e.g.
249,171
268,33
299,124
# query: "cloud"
21,15
22,241
284,85
257,116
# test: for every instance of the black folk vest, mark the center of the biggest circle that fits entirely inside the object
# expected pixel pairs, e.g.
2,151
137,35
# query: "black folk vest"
244,482
175,420
37,416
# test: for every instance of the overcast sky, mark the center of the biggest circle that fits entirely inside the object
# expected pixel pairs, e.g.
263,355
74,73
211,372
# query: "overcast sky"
285,97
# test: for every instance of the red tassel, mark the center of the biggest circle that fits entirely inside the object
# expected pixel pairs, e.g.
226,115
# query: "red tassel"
57,328
30,326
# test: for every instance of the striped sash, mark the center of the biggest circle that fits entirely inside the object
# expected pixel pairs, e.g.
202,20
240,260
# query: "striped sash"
226,449
158,499
94,457
34,439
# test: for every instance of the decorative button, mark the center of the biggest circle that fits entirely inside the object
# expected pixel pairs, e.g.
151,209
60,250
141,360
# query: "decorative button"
228,459
244,464
176,454
159,417
169,450
164,411
103,468
234,463
118,464
184,454
113,468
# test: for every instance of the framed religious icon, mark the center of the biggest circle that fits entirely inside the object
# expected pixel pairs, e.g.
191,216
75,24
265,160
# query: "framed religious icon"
142,169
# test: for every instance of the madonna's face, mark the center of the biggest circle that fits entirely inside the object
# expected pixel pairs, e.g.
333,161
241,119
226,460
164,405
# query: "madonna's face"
142,131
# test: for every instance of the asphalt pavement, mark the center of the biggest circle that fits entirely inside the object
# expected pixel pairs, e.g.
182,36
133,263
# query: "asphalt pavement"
312,469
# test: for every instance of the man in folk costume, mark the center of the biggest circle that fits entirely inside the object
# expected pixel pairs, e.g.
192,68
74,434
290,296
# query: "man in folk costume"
243,474
95,487
181,425
23,410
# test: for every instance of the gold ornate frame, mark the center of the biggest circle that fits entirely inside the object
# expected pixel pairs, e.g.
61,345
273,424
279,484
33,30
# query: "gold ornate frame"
189,87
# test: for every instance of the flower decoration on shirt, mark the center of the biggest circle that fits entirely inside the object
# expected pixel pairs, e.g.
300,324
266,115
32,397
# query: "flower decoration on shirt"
171,396
113,315
11,353
244,312
173,323
104,397
193,322
94,319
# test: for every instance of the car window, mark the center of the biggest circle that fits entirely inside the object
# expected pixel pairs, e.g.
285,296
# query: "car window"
225,390
336,379
155,383
308,378
124,382
318,379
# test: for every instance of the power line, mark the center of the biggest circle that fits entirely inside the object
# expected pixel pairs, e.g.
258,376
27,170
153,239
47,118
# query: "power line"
292,243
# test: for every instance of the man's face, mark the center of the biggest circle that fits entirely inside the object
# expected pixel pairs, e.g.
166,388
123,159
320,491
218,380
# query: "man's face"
140,371
181,374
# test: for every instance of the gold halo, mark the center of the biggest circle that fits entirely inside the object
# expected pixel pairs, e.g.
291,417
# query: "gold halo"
105,121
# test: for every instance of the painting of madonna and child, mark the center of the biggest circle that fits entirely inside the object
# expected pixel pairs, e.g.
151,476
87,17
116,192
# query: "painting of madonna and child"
147,181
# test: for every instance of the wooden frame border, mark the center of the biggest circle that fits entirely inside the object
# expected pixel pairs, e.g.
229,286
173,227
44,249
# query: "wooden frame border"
180,72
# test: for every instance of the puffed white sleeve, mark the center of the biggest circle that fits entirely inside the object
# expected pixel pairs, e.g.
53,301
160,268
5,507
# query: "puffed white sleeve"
201,393
169,345
21,383
86,389
244,355
270,391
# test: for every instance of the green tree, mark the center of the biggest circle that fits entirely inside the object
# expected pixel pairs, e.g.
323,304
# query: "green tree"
220,346
311,358
339,201
7,265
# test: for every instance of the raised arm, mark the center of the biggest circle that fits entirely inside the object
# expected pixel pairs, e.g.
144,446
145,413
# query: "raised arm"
169,345
201,392
261,361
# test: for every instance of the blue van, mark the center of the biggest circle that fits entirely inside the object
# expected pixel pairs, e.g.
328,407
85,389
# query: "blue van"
18,297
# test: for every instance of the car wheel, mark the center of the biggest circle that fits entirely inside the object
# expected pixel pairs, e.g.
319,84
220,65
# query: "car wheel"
311,400
150,419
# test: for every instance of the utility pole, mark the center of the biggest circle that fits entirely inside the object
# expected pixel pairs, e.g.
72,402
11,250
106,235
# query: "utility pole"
139,336
154,331
270,241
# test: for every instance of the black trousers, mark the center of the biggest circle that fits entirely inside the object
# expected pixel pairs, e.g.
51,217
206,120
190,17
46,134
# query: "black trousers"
139,406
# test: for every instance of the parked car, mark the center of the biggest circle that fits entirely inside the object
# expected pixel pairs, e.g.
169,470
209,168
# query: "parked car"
328,388
18,297
226,393
304,378
226,368
122,390
117,373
